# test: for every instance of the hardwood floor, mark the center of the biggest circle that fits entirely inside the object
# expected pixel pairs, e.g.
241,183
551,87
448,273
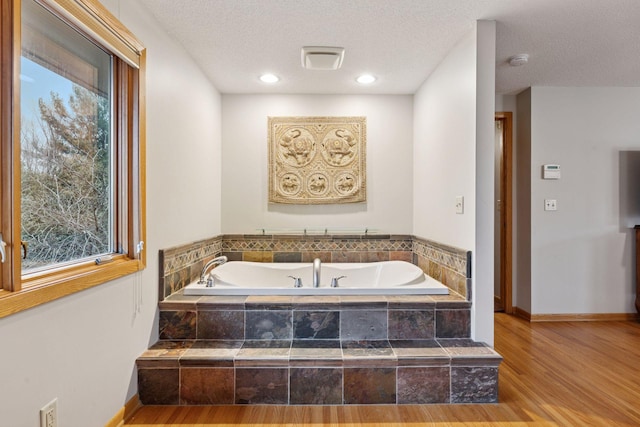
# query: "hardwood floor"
553,374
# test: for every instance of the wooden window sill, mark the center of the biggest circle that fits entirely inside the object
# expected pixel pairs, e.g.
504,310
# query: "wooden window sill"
50,287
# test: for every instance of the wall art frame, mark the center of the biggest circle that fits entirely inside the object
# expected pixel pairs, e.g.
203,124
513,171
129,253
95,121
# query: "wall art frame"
317,160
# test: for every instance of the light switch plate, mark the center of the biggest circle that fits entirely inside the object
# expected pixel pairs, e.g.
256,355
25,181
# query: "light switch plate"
459,204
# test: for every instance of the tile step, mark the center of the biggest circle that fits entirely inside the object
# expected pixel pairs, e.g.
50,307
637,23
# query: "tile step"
323,372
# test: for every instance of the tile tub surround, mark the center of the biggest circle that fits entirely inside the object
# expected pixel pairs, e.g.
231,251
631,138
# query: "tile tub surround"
306,351
353,318
181,265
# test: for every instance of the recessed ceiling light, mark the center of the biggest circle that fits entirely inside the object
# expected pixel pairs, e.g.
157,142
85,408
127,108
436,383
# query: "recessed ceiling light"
366,79
269,78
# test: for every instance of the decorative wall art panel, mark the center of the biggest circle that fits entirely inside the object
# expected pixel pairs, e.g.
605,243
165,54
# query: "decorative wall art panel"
317,160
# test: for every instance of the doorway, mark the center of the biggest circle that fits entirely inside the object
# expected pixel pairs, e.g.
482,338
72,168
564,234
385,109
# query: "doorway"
503,212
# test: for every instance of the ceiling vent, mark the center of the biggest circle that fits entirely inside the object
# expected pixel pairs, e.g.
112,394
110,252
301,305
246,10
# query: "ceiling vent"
322,58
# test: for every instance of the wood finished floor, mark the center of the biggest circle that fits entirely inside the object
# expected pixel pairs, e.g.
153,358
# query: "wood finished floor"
553,374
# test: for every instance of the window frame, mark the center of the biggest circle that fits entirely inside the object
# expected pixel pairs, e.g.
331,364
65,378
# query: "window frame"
20,291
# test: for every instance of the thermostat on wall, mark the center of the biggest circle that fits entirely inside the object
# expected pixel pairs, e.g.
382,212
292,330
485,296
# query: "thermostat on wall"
551,172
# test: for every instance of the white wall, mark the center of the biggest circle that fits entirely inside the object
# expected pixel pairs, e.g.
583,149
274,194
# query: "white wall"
444,149
245,171
453,146
82,348
582,255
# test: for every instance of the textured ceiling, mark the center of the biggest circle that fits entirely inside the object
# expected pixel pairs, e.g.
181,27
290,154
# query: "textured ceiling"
570,42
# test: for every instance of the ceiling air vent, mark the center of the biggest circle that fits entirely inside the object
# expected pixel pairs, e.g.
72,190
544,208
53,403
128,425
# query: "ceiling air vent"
322,57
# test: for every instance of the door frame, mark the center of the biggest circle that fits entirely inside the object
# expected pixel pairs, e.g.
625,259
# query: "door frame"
506,222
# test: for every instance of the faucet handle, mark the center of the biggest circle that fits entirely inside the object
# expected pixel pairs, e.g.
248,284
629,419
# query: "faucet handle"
211,280
297,281
334,281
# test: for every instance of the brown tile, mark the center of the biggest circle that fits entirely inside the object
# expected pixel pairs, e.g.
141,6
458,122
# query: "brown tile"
368,353
287,257
179,302
363,302
422,385
324,256
419,352
435,271
206,386
454,281
258,256
375,256
411,302
218,353
316,353
316,386
262,386
316,324
316,302
466,352
453,301
474,384
221,302
167,352
364,386
401,256
268,302
411,324
423,263
159,386
264,353
220,325
177,325
453,323
344,256
233,256
268,325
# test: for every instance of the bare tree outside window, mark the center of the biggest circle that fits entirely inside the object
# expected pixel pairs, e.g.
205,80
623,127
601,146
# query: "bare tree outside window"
65,178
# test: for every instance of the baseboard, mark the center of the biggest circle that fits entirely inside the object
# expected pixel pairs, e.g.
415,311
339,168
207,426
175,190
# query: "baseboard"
576,317
518,312
584,317
125,412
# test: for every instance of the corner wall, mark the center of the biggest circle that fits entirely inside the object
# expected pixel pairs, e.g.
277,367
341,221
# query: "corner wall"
453,146
81,349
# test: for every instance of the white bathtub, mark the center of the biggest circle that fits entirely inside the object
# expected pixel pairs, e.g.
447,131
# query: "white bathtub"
376,278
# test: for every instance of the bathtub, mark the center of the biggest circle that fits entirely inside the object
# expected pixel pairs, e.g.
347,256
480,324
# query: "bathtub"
376,278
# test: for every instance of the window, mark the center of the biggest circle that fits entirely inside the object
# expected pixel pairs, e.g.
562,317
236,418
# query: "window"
72,153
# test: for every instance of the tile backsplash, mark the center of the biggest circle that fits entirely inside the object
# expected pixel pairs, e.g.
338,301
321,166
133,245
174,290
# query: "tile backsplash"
182,264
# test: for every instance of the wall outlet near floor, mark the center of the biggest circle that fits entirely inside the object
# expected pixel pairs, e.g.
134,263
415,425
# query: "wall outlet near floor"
550,205
459,204
49,414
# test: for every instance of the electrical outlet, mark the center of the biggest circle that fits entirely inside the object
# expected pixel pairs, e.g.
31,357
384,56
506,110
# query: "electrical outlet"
49,414
459,204
550,205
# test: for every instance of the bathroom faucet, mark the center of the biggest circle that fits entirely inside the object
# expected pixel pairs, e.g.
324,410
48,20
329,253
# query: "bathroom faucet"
216,261
316,273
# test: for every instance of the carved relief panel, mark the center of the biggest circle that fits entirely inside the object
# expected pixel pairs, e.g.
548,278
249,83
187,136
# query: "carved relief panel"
317,160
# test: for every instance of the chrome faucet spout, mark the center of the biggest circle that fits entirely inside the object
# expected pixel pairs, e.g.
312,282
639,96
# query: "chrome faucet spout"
316,272
214,262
